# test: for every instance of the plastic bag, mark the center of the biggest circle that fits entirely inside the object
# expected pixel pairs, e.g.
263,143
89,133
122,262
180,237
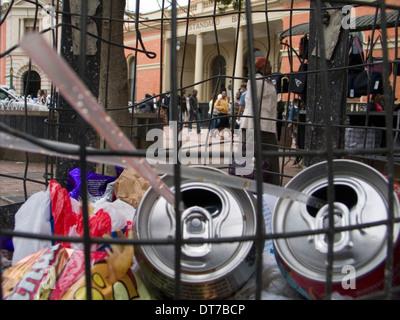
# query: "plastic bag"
68,220
105,218
34,216
61,209
55,212
120,212
130,187
96,184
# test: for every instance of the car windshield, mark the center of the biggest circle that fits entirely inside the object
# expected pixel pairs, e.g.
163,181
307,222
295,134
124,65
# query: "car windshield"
9,100
9,94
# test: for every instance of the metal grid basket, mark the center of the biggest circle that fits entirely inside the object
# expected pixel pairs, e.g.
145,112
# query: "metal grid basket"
331,127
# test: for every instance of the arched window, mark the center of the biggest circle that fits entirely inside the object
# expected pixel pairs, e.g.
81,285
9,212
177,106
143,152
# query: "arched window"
219,69
31,83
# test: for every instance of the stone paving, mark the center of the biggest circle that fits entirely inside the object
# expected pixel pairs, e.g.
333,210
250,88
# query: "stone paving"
12,173
12,186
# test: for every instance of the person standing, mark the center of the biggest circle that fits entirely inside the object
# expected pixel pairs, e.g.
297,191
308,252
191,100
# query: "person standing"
194,112
237,102
213,114
146,104
242,102
294,119
267,102
41,97
280,108
222,105
377,102
154,102
182,108
163,103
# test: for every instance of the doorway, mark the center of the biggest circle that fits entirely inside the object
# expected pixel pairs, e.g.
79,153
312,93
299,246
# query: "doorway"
218,74
31,85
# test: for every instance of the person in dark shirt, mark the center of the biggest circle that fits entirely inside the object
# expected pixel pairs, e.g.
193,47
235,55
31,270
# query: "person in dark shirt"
146,105
182,108
194,112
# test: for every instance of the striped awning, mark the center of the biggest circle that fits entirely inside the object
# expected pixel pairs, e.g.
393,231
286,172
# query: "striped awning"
297,30
363,23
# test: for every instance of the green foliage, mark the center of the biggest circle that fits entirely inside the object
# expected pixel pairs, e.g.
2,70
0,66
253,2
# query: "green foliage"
223,4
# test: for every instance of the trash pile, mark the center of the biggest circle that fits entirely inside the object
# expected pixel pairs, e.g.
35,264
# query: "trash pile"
48,270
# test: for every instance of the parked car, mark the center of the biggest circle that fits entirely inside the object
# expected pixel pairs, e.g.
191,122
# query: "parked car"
9,100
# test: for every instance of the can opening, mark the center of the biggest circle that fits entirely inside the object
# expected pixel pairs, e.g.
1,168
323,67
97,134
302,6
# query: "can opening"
202,198
343,194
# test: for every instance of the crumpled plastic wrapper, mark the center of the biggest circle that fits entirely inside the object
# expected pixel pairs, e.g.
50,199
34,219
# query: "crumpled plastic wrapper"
130,187
98,185
58,273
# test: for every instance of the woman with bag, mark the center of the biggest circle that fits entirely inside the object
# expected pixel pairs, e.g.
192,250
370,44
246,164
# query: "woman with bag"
222,105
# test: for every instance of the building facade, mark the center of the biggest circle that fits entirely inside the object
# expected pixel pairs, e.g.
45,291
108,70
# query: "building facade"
15,67
212,51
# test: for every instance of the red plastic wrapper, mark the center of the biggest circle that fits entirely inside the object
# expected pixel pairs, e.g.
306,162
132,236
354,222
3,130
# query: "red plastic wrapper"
66,220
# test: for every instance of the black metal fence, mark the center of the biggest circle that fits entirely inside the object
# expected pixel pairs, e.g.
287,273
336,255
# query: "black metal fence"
330,129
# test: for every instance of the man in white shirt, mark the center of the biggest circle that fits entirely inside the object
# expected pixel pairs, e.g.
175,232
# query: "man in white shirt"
267,99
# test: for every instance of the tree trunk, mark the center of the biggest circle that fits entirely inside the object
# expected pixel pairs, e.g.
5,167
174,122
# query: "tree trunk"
113,69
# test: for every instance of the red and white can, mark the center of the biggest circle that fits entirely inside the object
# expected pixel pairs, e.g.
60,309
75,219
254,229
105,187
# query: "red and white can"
359,254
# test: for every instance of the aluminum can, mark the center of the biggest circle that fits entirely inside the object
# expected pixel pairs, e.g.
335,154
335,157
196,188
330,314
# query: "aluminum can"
359,254
208,270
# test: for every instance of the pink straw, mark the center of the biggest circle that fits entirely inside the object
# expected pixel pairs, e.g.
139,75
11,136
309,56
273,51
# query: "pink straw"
82,100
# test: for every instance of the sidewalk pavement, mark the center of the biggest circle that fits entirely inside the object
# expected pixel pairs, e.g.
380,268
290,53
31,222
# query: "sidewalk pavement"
12,188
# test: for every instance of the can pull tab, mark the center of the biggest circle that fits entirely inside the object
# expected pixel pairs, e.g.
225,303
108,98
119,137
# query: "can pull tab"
341,219
196,224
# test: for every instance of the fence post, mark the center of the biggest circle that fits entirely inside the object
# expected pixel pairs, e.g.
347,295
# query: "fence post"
69,121
319,100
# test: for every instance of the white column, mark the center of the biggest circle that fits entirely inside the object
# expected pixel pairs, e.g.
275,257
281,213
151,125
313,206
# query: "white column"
198,71
239,61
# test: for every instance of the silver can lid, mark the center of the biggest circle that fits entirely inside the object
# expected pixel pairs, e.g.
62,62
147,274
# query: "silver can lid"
211,211
361,196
